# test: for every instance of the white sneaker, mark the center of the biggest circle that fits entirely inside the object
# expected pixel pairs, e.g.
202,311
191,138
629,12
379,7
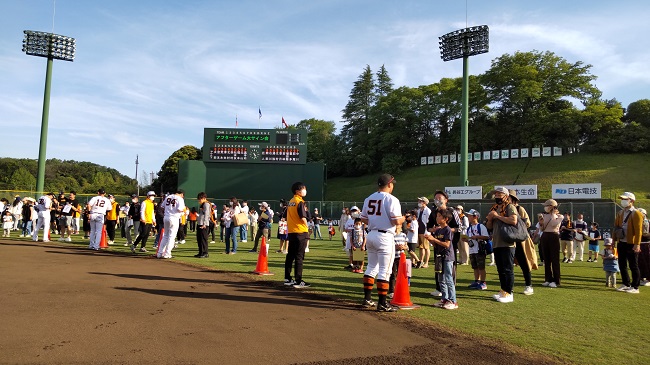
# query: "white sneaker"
142,249
110,243
307,249
211,241
436,293
505,298
242,241
69,239
623,288
645,282
528,290
633,291
546,283
552,285
183,242
22,235
498,295
492,264
61,239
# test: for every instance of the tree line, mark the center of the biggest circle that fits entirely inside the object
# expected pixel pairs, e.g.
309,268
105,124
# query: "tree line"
525,99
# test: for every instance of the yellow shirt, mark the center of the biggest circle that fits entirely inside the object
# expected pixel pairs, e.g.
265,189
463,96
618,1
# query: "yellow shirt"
111,215
296,211
147,211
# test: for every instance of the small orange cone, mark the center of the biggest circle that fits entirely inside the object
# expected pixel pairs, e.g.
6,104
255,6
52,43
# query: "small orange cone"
262,267
402,297
102,242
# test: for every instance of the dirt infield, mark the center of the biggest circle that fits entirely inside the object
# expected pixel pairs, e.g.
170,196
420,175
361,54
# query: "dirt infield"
67,305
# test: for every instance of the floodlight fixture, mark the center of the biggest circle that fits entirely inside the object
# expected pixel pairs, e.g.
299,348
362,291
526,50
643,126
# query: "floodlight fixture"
463,43
53,47
49,45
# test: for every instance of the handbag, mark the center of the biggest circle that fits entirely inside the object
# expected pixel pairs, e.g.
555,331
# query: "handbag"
512,234
240,219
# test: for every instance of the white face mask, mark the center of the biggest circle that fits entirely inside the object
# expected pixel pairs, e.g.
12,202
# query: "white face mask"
152,198
625,203
420,205
357,226
548,209
355,215
438,203
303,193
343,211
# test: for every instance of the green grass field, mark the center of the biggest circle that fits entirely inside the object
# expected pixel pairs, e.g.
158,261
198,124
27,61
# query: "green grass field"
582,322
616,172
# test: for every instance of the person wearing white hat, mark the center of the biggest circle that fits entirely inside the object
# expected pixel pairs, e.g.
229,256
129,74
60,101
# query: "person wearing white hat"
550,243
43,207
628,228
349,229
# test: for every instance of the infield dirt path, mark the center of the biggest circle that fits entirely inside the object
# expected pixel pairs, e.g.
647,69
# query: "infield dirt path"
67,305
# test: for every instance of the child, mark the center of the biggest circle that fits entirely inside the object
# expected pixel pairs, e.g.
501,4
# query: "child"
7,223
594,236
476,237
401,245
412,238
331,230
444,252
610,263
347,229
358,244
283,236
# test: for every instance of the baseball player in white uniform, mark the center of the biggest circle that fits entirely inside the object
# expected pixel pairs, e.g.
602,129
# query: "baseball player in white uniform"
381,213
43,206
97,206
174,208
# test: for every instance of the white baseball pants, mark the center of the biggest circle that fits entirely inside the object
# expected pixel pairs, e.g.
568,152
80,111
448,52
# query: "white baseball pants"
381,254
43,222
167,241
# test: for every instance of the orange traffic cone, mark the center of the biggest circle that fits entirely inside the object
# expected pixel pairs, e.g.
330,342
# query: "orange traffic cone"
262,267
102,242
401,296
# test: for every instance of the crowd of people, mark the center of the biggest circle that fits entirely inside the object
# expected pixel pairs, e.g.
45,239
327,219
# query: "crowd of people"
436,234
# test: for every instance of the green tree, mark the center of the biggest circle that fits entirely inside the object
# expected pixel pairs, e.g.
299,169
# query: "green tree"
319,134
356,116
167,179
384,83
639,111
22,179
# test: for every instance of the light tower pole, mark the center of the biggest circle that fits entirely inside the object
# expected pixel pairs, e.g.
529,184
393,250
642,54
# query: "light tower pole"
51,46
463,43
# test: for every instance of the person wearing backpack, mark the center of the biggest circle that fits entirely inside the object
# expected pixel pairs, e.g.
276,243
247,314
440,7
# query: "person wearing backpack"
477,238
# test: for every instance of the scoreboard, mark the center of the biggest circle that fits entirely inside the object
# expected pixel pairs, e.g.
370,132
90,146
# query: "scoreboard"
266,146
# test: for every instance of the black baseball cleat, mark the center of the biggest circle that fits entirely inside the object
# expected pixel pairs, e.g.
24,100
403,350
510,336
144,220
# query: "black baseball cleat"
386,308
367,303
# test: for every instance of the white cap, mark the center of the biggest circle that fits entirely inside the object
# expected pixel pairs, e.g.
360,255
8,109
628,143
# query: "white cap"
263,204
354,207
151,193
627,195
501,189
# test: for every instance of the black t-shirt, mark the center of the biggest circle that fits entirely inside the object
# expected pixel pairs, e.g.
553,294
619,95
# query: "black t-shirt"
454,222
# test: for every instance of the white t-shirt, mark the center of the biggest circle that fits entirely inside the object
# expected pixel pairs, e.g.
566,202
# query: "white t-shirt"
475,230
174,206
44,204
412,233
99,205
245,209
349,227
378,209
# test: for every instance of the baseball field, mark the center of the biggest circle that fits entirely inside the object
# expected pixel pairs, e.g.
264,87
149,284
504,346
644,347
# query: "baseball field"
64,304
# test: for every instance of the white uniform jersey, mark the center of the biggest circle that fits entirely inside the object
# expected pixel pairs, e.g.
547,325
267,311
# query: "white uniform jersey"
44,203
99,205
378,209
174,206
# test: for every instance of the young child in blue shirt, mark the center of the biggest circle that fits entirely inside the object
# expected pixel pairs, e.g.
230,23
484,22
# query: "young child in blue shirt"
444,252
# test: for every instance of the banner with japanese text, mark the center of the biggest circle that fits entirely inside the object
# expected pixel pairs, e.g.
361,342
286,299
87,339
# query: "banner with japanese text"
464,192
523,191
576,191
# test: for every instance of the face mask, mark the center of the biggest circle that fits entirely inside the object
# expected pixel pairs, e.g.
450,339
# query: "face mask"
625,203
303,192
358,227
548,209
231,203
134,200
498,200
420,205
355,215
152,198
438,203
343,211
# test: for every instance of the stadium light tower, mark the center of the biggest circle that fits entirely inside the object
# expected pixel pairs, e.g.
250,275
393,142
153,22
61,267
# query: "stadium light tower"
463,43
52,46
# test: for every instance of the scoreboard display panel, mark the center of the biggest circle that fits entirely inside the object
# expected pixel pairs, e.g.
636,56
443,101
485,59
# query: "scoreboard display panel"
266,146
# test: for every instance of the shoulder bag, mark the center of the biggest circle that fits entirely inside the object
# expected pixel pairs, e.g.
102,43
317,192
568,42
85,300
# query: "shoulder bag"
513,233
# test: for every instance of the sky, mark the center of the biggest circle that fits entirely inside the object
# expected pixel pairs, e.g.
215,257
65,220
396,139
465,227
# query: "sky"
149,76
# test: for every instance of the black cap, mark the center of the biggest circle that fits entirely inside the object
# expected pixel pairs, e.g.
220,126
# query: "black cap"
101,191
134,195
385,179
50,193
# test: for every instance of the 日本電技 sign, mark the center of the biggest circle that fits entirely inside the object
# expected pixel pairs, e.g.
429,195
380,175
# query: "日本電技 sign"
576,191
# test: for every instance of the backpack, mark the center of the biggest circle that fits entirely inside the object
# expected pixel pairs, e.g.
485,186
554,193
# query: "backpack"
484,246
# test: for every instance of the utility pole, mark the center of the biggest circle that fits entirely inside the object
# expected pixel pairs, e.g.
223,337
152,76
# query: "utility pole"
136,174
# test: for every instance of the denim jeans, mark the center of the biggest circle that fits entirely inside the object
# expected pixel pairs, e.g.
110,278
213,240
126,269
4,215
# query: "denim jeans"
447,284
231,234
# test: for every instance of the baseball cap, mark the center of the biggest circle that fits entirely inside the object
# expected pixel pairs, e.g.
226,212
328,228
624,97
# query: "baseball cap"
513,194
385,179
627,195
643,211
550,203
424,199
50,193
354,207
263,204
111,196
101,191
134,195
474,212
150,193
500,189
608,241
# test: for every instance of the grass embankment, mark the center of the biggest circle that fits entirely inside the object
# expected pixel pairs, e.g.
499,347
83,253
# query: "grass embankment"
581,322
616,172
